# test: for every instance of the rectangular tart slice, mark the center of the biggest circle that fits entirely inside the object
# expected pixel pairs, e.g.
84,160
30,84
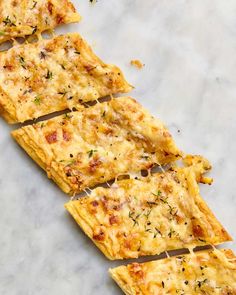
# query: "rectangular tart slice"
205,272
20,18
53,75
95,144
137,217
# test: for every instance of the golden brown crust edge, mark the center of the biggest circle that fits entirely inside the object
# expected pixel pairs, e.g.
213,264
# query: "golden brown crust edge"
124,281
86,228
221,235
40,158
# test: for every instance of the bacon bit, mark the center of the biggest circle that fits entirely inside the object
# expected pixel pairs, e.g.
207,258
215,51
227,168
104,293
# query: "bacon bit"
100,236
94,203
93,164
108,131
50,7
89,68
197,230
59,19
113,219
136,269
127,244
8,67
104,203
51,137
66,135
137,63
14,3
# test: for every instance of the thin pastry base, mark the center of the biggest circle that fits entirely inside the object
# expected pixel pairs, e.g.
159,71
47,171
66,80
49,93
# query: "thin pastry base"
96,144
204,272
162,212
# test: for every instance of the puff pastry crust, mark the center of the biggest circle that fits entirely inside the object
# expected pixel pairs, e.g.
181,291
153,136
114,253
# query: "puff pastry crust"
204,272
95,144
53,75
141,217
26,17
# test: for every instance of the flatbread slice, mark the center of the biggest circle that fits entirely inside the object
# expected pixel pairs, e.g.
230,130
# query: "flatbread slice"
204,272
148,216
20,18
53,75
95,144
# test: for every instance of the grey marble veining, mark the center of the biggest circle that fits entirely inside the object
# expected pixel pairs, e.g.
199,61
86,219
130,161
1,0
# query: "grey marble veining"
189,81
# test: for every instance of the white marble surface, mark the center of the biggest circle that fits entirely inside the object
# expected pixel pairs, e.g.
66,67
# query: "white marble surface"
189,81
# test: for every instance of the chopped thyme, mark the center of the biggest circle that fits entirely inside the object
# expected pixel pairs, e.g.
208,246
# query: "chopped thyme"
77,52
145,157
201,240
42,55
8,22
134,218
35,28
34,5
91,152
67,116
22,62
158,194
49,75
63,66
200,283
63,93
171,232
37,100
186,282
103,114
163,284
148,213
2,33
156,233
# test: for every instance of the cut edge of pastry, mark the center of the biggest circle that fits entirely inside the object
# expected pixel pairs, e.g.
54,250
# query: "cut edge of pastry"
86,228
20,136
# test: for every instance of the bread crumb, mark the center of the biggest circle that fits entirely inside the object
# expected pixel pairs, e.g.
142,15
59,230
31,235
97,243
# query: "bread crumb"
137,63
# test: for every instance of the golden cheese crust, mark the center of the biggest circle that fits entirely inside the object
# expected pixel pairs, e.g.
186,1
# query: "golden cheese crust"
95,144
53,75
20,18
204,272
151,215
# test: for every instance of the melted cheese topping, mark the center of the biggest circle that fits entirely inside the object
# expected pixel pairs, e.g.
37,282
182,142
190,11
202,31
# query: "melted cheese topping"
19,18
96,144
53,75
148,216
205,272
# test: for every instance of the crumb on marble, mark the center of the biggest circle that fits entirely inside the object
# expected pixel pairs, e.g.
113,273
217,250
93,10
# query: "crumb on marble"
92,1
137,63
